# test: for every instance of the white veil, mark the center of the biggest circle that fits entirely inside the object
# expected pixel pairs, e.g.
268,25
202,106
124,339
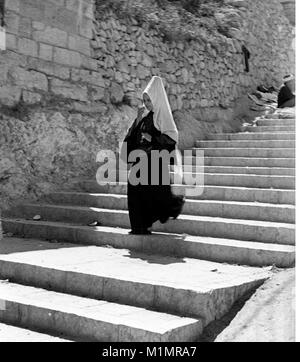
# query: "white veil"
162,114
163,118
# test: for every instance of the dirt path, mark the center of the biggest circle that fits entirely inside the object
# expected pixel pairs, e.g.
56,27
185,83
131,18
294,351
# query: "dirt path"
267,316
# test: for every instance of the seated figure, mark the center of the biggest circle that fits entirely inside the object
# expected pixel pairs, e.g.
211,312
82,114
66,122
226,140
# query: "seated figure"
286,96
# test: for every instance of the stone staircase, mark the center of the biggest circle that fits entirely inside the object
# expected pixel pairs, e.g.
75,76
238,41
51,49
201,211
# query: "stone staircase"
74,282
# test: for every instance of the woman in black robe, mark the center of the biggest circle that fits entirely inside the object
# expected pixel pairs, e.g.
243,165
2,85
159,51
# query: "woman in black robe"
155,131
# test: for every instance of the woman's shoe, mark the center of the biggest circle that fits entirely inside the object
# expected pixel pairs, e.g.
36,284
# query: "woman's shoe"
177,210
94,223
140,232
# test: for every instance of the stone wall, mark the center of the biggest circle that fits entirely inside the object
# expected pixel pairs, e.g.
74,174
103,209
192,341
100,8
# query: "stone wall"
199,74
71,78
48,42
289,7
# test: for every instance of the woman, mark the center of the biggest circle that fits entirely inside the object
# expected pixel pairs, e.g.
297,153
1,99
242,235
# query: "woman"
153,131
286,95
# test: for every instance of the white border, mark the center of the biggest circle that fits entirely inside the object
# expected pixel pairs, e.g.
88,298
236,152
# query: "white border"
297,180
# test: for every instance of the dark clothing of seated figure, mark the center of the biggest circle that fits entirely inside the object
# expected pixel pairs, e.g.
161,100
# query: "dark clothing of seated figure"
285,97
149,203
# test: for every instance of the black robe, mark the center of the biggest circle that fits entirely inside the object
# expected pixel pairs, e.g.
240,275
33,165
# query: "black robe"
285,95
149,203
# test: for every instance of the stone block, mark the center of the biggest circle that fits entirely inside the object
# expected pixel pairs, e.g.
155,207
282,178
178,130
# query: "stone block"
72,5
123,66
88,9
3,73
13,5
34,9
69,90
173,102
28,47
68,57
119,77
89,63
31,97
12,21
58,2
10,95
237,3
37,25
45,52
13,59
11,42
204,103
62,18
147,61
116,93
97,93
49,68
86,27
143,72
25,27
185,75
95,78
88,108
79,75
51,36
29,79
79,44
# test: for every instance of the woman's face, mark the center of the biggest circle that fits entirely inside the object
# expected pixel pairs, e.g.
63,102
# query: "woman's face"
147,102
291,85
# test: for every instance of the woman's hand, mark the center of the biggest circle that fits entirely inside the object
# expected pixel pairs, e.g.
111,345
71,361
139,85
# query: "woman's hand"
140,114
147,136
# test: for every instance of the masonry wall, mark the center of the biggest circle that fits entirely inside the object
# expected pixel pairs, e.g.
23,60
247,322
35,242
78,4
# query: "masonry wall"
200,73
289,7
71,78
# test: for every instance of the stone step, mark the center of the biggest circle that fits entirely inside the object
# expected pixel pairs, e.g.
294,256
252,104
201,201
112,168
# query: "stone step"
271,129
247,152
255,181
278,119
243,136
177,286
271,196
239,229
89,319
244,161
284,171
275,171
217,179
280,115
226,209
276,122
183,246
9,333
247,144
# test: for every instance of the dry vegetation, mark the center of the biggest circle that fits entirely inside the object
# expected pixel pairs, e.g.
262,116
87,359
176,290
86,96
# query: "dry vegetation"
185,19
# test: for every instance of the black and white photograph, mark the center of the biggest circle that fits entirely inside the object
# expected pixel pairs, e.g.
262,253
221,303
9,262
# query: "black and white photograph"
147,174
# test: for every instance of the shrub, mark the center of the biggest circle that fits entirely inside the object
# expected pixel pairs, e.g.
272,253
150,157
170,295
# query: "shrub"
185,19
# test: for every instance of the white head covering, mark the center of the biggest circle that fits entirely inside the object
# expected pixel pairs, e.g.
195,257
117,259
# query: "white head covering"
162,117
288,78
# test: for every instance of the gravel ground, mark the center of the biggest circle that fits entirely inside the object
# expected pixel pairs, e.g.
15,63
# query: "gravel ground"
268,315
